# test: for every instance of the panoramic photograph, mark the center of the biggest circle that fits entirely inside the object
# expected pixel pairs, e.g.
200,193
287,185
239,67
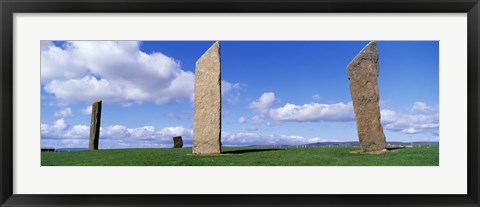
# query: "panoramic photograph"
239,103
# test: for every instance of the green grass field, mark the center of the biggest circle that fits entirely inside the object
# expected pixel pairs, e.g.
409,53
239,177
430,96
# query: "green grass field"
236,156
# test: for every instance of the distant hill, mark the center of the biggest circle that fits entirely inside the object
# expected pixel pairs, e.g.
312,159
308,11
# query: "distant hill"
318,144
70,149
347,144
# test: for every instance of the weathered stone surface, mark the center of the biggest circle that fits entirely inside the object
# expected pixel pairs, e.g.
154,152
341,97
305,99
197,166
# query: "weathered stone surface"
177,142
362,73
95,125
207,103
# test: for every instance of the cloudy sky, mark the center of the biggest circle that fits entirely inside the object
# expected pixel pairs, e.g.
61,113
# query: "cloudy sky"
272,92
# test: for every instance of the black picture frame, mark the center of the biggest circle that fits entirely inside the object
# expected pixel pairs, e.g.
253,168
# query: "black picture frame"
10,7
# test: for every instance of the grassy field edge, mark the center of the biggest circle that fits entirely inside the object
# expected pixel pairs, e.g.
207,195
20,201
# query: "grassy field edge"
241,156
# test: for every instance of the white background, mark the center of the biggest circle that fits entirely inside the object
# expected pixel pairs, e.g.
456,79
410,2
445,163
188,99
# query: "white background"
450,177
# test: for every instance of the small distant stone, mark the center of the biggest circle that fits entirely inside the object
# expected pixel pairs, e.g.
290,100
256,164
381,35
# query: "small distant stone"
177,142
48,149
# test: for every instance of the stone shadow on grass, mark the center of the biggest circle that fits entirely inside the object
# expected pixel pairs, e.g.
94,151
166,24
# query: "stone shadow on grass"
241,151
395,148
379,152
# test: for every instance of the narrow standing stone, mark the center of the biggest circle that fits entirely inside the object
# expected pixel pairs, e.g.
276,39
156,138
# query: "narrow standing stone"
207,103
95,125
177,142
362,73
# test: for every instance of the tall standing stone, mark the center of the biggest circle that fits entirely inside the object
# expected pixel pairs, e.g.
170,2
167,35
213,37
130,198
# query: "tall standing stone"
207,103
95,125
362,73
177,142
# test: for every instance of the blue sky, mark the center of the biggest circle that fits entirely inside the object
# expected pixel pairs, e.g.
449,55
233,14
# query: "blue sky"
273,92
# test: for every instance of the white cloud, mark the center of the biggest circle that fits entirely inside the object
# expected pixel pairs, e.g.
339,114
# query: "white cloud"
242,120
251,128
57,63
60,135
317,139
87,110
258,120
231,99
63,112
422,107
388,116
114,71
182,115
412,123
227,86
130,104
264,103
263,107
78,131
316,97
115,131
65,143
176,131
145,132
250,138
106,143
59,124
60,130
314,112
